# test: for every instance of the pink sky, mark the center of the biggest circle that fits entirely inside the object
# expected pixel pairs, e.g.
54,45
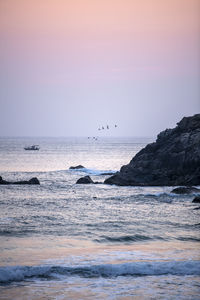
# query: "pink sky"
48,44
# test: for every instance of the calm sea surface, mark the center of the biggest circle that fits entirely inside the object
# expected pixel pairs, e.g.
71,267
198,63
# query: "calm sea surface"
60,240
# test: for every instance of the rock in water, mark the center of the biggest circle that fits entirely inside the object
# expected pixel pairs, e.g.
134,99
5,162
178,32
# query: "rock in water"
84,180
185,190
174,159
196,199
2,181
33,180
77,167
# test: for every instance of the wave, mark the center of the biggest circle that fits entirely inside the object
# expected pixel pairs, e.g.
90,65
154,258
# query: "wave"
123,239
188,239
164,194
22,273
16,232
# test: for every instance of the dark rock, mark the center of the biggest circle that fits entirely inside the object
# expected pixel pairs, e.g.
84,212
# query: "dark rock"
77,167
185,190
174,159
196,199
33,180
3,181
84,180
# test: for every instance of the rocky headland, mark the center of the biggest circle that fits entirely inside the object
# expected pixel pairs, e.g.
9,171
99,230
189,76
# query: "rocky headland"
173,160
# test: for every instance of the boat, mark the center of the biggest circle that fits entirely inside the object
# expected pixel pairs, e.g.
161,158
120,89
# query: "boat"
33,147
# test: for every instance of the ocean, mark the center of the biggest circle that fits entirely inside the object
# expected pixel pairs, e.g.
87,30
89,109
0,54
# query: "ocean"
59,240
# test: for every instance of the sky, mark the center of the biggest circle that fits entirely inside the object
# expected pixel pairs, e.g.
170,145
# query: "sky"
70,66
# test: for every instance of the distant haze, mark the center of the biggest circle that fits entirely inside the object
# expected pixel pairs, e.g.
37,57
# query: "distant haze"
70,66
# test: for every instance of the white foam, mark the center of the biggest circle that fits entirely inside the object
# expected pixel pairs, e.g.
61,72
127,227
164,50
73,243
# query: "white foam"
19,273
93,171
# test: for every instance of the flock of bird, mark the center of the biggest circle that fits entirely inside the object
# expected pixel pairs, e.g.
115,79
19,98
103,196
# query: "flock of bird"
107,127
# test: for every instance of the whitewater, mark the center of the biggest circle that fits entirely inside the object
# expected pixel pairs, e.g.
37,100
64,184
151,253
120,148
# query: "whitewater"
60,240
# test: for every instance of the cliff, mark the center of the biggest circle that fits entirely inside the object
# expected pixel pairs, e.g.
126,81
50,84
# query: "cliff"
174,159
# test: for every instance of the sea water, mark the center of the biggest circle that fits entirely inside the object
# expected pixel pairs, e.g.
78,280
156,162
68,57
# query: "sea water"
59,240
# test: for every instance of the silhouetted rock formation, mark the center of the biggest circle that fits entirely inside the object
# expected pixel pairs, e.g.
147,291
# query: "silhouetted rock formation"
84,180
185,190
174,159
33,180
77,167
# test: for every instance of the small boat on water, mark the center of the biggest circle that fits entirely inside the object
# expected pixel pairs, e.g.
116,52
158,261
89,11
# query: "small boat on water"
33,147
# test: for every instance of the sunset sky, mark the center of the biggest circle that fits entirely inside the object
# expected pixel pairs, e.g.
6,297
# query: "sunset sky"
68,66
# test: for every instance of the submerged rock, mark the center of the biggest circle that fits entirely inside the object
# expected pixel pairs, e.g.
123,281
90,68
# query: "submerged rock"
174,159
84,180
196,199
185,190
33,180
77,167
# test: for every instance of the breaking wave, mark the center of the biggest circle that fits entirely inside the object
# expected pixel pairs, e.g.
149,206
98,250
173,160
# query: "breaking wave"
94,171
22,273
